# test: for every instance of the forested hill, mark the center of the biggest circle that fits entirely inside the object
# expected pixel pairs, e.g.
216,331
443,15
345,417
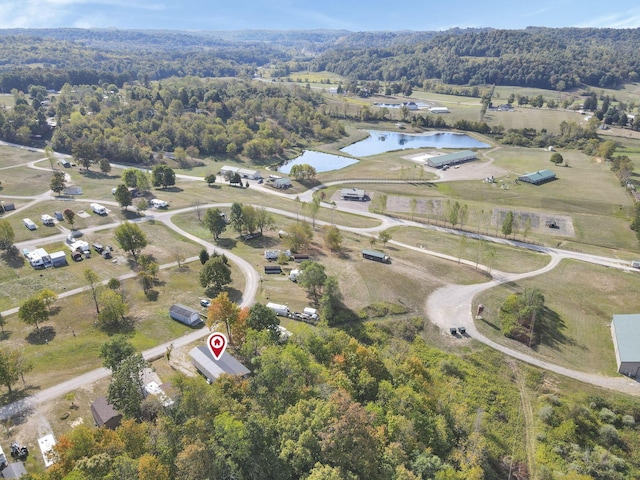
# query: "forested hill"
535,57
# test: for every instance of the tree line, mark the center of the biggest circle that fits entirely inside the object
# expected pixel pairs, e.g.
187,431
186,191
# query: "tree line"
556,59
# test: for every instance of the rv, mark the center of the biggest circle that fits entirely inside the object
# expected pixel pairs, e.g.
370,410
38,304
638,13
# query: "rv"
99,209
47,219
274,254
280,310
29,223
157,203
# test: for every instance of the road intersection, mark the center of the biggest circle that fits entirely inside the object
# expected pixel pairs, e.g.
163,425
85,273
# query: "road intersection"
448,307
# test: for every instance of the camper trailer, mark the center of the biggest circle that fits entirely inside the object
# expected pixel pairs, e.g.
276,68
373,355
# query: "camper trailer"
99,209
29,223
280,310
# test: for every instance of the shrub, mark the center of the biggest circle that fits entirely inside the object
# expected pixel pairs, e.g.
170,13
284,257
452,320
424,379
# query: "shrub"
606,415
628,421
609,434
546,414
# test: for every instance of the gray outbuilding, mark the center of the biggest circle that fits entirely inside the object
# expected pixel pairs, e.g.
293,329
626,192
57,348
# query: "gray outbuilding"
625,330
183,314
203,360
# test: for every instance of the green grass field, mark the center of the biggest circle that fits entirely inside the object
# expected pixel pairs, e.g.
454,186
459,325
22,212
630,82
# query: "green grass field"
581,300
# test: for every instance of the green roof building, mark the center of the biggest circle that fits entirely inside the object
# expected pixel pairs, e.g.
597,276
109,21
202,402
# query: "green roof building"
541,176
452,158
625,330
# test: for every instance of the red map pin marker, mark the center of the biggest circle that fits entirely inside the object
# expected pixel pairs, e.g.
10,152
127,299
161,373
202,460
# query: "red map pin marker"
217,344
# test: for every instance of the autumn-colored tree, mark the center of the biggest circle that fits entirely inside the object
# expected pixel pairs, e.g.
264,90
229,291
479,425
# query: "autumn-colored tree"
223,310
48,296
150,468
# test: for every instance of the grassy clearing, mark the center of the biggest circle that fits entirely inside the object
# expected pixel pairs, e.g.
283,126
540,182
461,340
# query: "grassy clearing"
19,281
12,156
507,259
58,360
538,118
581,300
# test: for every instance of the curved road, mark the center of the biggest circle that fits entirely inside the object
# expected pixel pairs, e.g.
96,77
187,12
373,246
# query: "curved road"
450,306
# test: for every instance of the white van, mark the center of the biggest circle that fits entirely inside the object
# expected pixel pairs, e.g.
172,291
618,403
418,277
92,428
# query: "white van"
29,223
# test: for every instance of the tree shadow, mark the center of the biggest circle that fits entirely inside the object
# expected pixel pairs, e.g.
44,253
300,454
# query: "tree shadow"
227,243
235,295
13,258
125,327
5,335
491,324
172,189
262,242
152,295
552,329
23,408
42,336
129,214
54,310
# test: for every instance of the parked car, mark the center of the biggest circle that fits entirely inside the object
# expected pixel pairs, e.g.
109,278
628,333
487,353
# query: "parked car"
205,302
98,247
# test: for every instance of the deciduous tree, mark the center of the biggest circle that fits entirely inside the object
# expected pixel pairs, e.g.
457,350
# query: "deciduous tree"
312,277
556,158
9,367
163,176
48,296
260,317
58,183
116,350
114,309
33,311
333,238
7,235
123,196
222,309
125,390
92,278
507,225
69,216
384,237
131,238
298,236
215,274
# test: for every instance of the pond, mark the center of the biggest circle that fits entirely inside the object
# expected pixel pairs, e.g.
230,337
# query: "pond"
322,162
382,142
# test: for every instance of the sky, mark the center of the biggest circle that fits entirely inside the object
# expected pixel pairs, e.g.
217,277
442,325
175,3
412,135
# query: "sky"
354,15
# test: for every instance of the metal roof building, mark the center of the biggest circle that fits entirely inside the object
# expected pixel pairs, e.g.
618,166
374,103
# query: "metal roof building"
541,176
452,158
203,360
625,330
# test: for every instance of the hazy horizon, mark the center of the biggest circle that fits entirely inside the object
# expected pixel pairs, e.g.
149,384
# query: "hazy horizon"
373,15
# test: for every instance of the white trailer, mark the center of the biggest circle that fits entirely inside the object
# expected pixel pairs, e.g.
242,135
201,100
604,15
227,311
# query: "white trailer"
157,203
280,310
29,223
47,219
274,254
99,209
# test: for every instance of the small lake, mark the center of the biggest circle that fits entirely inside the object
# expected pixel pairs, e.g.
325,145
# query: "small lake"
382,142
322,162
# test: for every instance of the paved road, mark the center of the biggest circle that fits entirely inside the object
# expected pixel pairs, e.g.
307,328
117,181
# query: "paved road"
450,306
